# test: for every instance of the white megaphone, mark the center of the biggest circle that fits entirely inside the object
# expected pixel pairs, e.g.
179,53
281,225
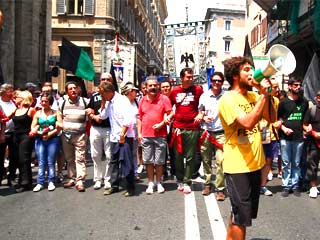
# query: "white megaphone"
281,59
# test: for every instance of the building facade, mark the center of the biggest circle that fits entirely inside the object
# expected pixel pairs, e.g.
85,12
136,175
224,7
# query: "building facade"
25,41
225,33
91,23
295,24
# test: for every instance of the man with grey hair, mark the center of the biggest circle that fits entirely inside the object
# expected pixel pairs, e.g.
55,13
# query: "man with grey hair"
115,107
74,110
8,107
100,139
152,132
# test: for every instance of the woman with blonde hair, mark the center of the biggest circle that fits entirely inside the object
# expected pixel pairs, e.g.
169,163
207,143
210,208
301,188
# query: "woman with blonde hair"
23,143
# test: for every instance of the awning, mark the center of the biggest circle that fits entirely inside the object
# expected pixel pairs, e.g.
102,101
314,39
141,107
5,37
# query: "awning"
266,5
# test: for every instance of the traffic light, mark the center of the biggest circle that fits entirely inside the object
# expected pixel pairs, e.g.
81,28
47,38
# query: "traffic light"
55,71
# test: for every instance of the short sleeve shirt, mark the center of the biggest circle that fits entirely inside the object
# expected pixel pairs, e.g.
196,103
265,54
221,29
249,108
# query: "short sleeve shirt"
243,151
152,112
186,102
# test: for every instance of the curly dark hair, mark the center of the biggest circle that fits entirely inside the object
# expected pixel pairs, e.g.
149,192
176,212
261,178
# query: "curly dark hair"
232,67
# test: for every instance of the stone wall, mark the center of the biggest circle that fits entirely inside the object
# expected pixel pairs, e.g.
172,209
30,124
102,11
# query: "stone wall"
24,42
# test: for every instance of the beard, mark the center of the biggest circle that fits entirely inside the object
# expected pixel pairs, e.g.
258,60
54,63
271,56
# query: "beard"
298,92
152,90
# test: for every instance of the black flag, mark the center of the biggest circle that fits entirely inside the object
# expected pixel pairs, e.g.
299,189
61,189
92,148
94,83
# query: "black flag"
247,51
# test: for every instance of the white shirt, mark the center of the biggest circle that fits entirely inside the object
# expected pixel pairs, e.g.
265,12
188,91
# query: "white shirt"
132,130
118,111
209,104
54,106
8,108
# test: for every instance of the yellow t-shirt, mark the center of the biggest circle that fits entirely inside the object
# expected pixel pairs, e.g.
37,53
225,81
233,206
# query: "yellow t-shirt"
243,151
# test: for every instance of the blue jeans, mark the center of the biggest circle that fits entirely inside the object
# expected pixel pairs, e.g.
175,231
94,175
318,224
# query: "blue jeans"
46,153
291,152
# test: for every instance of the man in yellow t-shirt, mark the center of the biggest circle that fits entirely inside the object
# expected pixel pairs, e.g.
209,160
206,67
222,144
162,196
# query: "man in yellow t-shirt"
240,110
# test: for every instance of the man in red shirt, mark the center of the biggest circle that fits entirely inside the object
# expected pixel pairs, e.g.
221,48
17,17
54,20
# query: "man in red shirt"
152,132
186,127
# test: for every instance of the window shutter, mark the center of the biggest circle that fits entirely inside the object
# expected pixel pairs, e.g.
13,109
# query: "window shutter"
61,7
89,7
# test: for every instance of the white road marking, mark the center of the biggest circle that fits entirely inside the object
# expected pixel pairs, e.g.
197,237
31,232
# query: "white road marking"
191,218
217,225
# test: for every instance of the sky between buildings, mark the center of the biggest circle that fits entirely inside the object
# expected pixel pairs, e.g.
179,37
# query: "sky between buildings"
196,9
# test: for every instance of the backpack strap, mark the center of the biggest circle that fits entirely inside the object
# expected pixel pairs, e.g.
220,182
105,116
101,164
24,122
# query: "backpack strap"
64,102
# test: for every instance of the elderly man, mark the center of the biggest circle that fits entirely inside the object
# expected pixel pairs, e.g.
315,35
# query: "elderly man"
100,138
73,110
152,132
47,89
116,107
8,107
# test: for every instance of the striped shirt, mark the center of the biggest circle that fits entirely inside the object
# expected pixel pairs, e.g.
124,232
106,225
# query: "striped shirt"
74,116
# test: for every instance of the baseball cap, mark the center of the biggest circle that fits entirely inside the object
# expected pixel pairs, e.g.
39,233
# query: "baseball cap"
30,85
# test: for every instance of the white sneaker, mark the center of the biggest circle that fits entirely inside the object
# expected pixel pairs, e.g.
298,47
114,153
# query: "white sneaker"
180,187
140,169
270,176
313,192
97,185
186,189
51,186
107,185
150,188
265,191
160,188
198,180
38,188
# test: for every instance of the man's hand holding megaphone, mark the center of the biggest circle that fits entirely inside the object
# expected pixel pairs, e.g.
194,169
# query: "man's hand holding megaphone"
264,86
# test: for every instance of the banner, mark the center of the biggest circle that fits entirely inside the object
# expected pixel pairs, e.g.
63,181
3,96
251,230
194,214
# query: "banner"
121,61
311,83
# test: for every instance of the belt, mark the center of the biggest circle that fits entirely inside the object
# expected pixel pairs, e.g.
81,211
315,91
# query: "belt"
217,132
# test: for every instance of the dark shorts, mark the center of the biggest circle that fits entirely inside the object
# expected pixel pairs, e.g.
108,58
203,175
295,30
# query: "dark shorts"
271,150
244,193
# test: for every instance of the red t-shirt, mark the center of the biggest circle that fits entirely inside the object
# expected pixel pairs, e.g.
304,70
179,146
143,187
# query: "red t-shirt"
152,112
186,102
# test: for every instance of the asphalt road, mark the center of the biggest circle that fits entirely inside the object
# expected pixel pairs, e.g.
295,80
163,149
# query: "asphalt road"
68,214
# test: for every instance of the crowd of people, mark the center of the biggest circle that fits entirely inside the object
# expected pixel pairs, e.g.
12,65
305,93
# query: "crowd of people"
166,129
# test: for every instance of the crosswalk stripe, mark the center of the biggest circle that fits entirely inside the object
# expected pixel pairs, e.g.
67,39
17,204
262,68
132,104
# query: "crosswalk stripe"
191,218
217,225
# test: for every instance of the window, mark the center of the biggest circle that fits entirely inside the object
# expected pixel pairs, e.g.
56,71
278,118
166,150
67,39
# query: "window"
227,45
227,25
75,7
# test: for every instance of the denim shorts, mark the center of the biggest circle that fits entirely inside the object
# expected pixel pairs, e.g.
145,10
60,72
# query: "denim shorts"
244,193
154,150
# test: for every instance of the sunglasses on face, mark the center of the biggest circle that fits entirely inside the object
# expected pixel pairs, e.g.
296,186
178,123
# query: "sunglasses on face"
217,80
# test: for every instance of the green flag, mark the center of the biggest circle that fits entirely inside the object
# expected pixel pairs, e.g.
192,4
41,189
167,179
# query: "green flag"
76,60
